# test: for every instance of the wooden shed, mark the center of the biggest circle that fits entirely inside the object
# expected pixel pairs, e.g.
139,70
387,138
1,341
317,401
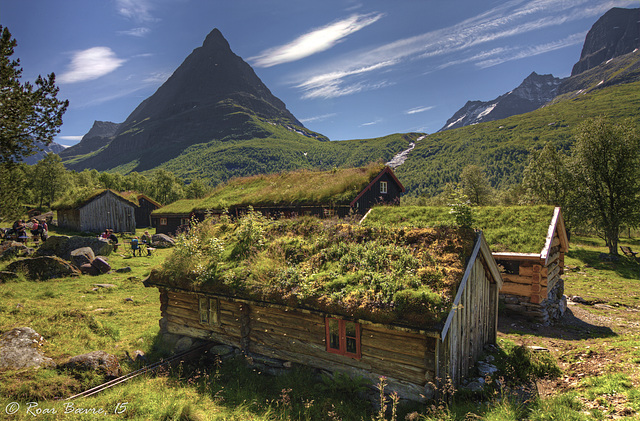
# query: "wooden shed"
338,192
420,322
528,243
96,212
145,205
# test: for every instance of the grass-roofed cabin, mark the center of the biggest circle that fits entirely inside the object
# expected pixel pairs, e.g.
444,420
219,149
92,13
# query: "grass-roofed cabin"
145,205
416,306
338,192
95,211
528,243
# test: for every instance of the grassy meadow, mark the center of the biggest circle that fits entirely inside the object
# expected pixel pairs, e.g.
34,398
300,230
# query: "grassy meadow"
590,371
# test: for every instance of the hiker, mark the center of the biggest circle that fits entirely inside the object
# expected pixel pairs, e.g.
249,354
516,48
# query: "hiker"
146,238
112,239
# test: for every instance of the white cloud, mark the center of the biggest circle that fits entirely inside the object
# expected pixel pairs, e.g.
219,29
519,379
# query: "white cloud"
91,64
317,118
458,42
136,32
371,123
315,41
157,77
71,138
419,110
139,10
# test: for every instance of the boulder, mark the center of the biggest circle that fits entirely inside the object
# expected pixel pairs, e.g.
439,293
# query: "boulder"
43,268
125,269
16,249
82,256
62,246
101,264
20,348
99,361
89,269
7,276
162,241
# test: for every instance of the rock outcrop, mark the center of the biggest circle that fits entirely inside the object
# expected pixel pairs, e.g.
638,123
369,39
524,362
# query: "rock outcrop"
43,268
99,361
21,348
616,33
62,246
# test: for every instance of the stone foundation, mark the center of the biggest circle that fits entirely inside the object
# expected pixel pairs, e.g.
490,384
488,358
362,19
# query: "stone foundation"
549,310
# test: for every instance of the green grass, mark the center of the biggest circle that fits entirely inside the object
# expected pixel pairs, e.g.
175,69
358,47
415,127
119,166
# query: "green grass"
518,229
75,319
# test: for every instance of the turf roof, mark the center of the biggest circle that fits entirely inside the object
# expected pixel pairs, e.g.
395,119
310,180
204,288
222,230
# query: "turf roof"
300,188
385,275
516,229
79,198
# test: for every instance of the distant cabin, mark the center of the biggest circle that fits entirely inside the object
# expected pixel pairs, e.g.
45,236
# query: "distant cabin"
416,342
528,243
96,212
339,192
146,205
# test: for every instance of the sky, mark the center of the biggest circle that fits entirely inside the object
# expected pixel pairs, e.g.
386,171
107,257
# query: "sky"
348,69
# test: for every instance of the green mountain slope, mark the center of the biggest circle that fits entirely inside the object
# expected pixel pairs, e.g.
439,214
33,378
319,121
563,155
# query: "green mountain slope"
502,146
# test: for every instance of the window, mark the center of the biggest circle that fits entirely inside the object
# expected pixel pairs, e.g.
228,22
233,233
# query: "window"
383,187
208,310
184,221
343,337
163,221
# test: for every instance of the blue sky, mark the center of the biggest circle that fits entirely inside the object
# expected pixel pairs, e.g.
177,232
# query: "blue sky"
348,69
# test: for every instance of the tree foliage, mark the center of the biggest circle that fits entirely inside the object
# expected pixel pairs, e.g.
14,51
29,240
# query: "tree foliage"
476,186
605,170
28,112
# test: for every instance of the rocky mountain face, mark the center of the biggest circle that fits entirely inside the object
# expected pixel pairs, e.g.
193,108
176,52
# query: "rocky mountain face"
535,91
100,134
616,33
52,147
213,95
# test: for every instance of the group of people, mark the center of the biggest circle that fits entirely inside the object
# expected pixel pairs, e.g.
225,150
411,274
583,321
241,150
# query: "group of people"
18,231
111,238
135,242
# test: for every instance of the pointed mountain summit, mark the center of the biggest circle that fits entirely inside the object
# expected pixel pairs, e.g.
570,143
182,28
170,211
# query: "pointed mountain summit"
535,91
213,96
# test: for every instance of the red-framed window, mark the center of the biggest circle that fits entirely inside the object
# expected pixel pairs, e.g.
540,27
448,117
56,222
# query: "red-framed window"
343,337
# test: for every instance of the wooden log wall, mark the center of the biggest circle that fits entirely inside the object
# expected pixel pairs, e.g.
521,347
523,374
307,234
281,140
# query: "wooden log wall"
535,287
407,359
472,327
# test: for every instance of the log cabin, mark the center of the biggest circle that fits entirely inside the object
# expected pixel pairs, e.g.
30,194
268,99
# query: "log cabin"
145,205
96,211
528,243
339,192
415,306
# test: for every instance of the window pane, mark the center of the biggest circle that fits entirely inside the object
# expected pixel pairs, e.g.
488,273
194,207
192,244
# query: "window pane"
351,345
350,329
334,334
204,310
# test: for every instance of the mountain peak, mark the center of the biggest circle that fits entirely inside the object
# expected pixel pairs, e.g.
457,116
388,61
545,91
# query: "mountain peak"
616,33
216,40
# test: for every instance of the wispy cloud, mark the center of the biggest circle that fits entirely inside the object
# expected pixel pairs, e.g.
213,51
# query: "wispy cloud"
157,77
138,10
315,41
90,64
136,32
457,44
419,110
317,118
371,123
71,138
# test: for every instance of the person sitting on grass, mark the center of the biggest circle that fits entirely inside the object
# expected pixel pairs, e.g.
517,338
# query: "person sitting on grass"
135,246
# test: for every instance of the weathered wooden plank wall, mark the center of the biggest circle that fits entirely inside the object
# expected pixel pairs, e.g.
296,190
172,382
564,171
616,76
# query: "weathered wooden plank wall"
107,211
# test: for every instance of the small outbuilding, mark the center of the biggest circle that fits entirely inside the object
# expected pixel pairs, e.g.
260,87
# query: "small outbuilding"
417,306
528,243
145,205
96,211
339,192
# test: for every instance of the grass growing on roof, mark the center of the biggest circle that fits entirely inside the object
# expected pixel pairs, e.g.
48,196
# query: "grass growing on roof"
302,187
75,198
517,229
387,275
